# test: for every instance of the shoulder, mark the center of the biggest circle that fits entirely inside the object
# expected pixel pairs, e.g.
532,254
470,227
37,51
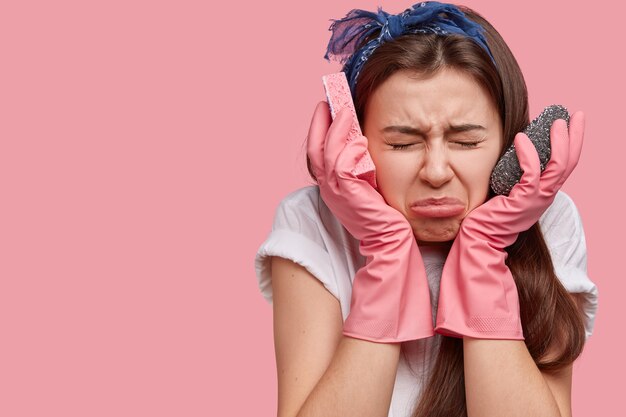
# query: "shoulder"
298,231
306,233
563,232
562,212
304,212
307,195
300,204
562,228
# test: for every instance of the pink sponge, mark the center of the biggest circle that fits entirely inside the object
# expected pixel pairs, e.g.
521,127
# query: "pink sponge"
338,94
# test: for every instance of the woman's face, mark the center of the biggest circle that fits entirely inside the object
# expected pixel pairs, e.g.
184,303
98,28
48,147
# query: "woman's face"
434,142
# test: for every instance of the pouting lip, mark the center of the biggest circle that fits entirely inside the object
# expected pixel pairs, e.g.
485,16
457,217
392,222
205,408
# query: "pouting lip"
440,201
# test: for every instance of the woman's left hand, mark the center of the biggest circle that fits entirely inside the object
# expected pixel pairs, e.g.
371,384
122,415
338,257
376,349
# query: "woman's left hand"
478,296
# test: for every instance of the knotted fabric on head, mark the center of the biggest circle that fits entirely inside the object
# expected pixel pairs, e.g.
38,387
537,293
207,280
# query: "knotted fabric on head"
425,17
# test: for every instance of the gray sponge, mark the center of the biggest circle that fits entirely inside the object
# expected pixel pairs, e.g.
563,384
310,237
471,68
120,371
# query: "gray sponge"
507,171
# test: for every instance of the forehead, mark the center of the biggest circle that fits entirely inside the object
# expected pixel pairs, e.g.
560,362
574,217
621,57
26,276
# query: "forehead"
447,96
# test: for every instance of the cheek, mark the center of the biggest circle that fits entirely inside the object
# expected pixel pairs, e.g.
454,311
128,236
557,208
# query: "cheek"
474,171
394,174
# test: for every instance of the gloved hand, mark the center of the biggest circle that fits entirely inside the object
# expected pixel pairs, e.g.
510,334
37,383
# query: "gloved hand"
390,295
478,297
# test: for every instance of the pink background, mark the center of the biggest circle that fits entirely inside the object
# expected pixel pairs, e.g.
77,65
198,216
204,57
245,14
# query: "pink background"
144,148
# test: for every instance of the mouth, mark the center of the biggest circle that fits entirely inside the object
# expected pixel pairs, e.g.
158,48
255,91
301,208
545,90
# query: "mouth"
438,207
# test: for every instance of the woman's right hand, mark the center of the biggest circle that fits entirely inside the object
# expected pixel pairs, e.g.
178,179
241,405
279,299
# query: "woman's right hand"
390,295
360,208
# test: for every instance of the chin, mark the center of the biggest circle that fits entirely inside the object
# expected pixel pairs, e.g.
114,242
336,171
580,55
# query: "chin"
436,233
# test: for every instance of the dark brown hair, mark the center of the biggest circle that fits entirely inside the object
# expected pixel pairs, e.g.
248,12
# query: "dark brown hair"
550,318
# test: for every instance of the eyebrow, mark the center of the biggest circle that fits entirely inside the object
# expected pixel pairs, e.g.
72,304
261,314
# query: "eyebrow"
417,132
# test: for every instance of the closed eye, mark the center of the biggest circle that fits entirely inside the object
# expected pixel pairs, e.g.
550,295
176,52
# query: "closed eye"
463,145
398,147
469,144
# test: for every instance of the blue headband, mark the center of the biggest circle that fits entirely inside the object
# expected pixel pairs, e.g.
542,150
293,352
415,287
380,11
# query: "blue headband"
424,17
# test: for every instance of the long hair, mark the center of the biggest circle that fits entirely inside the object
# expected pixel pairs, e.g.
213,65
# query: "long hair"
548,313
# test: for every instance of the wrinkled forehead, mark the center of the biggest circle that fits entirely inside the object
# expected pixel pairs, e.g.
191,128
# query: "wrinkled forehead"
445,97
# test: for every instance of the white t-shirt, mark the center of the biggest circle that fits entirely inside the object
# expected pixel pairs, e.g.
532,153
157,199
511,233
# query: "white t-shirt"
306,232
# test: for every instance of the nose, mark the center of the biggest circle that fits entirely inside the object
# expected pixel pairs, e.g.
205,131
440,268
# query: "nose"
436,169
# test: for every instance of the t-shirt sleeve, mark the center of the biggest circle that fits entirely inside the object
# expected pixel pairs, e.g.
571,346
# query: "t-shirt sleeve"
563,231
297,235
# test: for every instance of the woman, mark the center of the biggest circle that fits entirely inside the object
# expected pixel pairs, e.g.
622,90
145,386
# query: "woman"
429,295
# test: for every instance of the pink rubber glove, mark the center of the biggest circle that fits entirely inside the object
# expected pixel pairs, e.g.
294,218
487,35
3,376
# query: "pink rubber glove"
478,296
390,296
